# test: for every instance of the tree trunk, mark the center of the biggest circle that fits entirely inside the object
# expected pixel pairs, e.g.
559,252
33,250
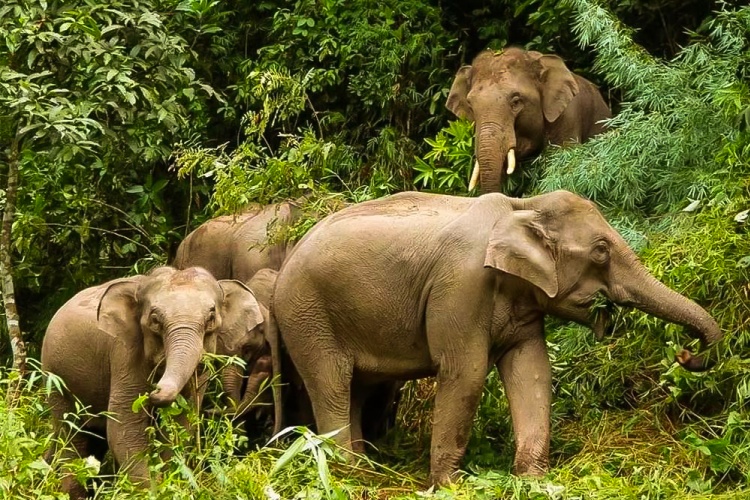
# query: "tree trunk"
6,262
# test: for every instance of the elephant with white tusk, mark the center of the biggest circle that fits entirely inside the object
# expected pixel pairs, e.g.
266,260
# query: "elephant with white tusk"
519,101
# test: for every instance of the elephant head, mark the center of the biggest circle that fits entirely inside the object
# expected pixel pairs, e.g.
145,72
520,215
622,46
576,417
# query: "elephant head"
562,244
511,95
249,340
176,316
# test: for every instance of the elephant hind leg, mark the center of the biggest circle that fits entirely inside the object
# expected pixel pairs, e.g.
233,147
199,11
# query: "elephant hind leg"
70,444
328,381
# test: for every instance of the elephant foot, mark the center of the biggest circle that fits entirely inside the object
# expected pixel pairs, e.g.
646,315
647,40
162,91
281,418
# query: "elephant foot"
530,468
72,487
441,478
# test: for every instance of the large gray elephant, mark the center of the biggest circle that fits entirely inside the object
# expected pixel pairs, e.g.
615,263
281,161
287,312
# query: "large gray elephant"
415,285
237,246
520,101
107,341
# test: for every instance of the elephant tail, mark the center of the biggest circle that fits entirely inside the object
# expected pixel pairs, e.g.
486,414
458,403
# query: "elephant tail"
275,344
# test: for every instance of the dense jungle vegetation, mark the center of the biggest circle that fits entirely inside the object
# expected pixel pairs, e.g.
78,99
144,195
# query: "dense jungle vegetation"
125,124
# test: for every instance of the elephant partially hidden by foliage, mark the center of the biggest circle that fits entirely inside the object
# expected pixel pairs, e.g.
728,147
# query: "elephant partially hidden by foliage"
238,247
415,285
107,341
253,347
521,100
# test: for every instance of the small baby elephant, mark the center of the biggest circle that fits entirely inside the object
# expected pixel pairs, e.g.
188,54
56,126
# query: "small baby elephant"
107,340
250,345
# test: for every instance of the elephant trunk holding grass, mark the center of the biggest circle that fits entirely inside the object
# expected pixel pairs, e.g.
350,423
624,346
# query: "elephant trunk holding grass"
107,341
521,100
415,285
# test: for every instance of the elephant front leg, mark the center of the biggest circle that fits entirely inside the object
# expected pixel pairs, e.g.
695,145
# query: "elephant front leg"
527,377
126,436
459,387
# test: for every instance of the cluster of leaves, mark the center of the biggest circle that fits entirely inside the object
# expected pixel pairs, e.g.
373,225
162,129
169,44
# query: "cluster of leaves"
628,455
336,97
91,97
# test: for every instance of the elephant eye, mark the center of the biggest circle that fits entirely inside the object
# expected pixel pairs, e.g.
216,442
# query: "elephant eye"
211,319
516,101
600,252
153,321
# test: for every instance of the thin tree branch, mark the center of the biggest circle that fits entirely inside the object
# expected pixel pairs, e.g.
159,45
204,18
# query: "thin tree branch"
18,346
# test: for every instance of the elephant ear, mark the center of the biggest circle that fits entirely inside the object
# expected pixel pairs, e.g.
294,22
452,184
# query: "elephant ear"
241,314
117,312
457,102
519,245
559,87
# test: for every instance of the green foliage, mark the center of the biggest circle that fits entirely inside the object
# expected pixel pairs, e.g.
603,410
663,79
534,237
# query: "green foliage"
91,98
660,155
448,165
335,97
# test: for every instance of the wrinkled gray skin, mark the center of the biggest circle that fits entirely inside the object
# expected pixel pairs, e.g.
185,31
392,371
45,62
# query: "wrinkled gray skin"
522,100
107,340
416,285
236,247
251,346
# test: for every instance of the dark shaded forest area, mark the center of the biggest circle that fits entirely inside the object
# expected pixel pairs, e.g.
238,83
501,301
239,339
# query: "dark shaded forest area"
125,125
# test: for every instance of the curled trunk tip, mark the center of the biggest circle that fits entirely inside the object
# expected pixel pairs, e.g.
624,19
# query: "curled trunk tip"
692,363
163,395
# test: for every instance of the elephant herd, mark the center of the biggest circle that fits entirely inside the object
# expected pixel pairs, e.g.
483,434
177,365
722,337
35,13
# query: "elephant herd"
408,286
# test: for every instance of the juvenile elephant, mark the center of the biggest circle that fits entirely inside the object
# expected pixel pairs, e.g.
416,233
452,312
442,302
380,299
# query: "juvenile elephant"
521,100
415,285
107,340
251,346
236,247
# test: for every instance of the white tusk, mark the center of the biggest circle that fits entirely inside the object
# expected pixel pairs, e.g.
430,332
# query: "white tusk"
474,176
511,160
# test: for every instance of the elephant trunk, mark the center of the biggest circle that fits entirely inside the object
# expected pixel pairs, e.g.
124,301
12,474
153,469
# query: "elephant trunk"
653,297
495,145
183,348
261,371
231,380
274,340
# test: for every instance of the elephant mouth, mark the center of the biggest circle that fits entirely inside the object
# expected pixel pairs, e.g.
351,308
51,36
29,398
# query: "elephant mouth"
601,311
